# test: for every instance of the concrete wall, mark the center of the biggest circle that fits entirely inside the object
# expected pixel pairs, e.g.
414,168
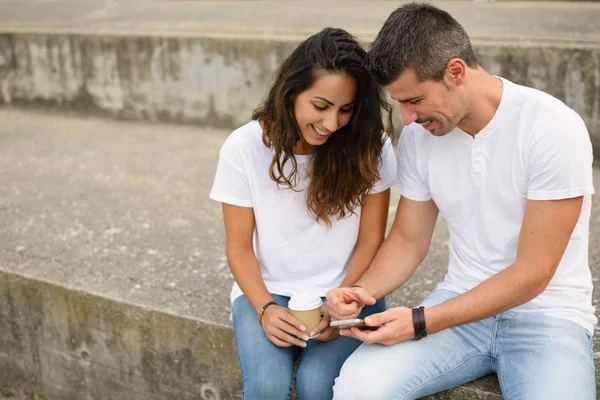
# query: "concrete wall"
219,81
76,346
204,81
571,74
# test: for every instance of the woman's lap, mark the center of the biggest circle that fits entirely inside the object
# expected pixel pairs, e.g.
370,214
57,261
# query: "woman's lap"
268,369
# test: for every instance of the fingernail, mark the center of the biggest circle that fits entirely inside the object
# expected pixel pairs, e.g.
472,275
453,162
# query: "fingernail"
303,344
302,327
342,333
312,333
305,337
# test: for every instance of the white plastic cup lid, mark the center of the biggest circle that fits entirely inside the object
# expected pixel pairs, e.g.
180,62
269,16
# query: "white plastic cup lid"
304,302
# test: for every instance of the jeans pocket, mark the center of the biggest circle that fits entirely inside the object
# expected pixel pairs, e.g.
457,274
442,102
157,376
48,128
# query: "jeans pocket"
591,340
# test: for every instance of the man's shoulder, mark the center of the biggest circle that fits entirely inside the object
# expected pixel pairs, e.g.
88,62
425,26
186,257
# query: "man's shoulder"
538,116
547,131
541,107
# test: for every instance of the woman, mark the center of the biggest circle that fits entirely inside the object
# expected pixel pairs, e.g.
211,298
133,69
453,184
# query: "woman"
305,193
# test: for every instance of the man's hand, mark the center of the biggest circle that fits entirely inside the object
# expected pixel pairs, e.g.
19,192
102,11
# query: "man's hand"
282,328
347,302
327,333
396,326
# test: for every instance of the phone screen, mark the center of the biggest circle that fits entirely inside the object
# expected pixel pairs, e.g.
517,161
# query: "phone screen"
346,323
349,323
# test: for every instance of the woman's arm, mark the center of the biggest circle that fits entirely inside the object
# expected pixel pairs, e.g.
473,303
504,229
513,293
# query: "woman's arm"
279,325
239,228
371,233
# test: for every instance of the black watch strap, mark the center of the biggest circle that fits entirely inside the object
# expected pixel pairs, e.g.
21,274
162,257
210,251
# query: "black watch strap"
418,315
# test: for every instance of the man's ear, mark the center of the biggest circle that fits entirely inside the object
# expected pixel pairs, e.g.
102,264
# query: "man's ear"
456,70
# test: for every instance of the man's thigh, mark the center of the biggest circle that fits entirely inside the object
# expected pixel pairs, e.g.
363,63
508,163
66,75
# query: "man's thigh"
414,369
541,357
321,361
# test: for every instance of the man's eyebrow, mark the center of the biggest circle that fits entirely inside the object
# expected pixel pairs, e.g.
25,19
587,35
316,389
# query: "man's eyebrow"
408,99
330,103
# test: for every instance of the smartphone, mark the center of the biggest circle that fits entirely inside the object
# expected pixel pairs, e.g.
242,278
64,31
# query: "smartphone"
349,323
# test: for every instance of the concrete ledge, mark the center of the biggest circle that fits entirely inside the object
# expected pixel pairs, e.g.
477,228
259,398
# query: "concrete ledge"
66,344
113,280
73,345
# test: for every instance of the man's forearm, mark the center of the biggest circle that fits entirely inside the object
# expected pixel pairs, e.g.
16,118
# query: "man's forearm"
361,259
394,264
515,285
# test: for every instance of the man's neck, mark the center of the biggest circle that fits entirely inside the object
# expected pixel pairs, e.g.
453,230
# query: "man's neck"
484,95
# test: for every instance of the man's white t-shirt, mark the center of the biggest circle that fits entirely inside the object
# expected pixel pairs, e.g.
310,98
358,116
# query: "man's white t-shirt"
296,253
534,148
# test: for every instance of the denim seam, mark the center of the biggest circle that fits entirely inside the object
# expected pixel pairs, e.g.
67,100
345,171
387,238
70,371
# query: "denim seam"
440,375
500,376
493,341
507,323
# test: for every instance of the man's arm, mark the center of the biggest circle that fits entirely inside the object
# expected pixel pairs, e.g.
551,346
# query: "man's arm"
403,250
545,234
397,259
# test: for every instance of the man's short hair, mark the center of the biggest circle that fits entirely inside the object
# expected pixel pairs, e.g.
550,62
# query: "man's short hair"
421,37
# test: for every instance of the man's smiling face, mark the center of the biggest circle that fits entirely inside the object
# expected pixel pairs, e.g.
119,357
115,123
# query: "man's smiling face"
437,106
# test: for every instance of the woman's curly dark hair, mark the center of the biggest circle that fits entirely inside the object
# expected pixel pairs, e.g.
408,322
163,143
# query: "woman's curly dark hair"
346,167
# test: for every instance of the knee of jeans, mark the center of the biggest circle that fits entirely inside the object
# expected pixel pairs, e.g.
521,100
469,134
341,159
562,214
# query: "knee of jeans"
317,390
356,383
270,388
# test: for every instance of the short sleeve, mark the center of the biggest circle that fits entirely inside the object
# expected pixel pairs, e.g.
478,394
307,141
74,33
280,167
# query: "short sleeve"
409,180
560,161
387,169
231,184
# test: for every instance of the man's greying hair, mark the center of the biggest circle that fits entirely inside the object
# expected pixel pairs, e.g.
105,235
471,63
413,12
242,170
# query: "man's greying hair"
421,37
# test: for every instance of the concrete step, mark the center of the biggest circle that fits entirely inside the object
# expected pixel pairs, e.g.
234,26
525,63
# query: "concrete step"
113,279
210,62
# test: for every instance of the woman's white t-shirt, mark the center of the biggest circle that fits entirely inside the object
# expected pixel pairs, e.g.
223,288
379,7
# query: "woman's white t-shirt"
296,253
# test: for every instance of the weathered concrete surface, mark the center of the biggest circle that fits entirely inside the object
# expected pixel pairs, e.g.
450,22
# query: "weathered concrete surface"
211,62
541,21
80,346
113,279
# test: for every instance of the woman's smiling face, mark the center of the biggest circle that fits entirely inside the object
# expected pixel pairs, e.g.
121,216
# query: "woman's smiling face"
323,108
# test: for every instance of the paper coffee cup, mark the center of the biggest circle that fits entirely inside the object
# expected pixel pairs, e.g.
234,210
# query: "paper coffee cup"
307,308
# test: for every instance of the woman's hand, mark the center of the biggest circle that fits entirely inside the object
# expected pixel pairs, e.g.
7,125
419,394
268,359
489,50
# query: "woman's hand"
327,332
282,328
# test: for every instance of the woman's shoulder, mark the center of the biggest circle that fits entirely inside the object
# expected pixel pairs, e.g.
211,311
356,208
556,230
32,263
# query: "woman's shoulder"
248,133
246,138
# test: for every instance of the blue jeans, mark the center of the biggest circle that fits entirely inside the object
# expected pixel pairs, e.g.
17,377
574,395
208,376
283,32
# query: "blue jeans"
535,357
268,370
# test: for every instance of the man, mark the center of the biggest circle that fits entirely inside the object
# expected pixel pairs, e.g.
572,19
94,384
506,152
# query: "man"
510,169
